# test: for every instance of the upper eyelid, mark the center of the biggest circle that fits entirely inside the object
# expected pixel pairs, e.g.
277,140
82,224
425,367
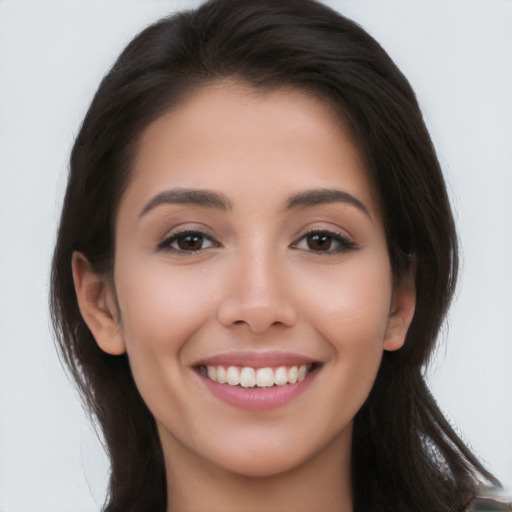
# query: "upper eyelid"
179,230
189,230
323,224
327,231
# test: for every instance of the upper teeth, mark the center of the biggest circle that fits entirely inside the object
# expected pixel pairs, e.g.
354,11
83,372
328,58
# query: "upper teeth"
248,377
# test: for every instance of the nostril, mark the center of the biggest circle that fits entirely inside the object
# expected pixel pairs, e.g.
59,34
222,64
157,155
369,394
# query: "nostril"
257,315
254,324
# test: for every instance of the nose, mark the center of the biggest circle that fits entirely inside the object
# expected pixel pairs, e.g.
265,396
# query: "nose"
258,295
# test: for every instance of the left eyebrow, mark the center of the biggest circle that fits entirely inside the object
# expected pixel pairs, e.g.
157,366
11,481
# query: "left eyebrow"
324,196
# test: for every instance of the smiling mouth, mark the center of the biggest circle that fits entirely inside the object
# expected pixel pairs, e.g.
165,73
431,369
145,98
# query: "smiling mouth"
248,377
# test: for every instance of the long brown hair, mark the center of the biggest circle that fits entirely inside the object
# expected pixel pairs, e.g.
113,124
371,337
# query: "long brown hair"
405,456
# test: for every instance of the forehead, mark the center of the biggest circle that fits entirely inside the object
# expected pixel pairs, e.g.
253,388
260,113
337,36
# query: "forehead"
238,140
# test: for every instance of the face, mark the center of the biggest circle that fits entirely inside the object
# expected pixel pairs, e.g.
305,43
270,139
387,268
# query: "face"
249,246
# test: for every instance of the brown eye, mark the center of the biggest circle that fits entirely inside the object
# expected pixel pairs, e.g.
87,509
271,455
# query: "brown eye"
319,242
188,241
327,242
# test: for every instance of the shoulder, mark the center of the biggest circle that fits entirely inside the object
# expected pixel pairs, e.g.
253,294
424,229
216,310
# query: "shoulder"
490,503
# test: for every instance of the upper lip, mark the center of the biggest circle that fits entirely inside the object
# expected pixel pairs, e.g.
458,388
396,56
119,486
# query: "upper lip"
256,359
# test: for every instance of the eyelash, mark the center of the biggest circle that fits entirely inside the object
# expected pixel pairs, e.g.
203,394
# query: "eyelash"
166,244
345,244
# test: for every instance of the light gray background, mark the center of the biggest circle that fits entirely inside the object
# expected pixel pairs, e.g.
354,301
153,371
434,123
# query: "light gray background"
458,57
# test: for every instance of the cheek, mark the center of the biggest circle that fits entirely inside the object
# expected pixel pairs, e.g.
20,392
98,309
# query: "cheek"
349,306
356,294
350,312
161,308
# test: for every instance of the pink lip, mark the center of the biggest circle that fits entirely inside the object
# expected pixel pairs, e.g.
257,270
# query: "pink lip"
258,399
255,359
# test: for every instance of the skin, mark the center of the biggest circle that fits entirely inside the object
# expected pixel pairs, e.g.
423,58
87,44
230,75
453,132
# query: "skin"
257,283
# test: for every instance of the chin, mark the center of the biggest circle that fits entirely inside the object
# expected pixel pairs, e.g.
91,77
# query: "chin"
260,456
265,465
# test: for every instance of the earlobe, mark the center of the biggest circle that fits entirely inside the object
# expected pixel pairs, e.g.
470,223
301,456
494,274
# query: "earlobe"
97,304
401,314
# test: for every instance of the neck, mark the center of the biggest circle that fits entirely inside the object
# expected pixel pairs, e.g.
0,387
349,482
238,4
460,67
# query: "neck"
320,484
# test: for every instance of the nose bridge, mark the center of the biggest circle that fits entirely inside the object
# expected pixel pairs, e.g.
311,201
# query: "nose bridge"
258,293
258,276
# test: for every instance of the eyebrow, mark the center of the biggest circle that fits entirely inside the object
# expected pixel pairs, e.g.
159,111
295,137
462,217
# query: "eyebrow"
324,196
211,199
204,198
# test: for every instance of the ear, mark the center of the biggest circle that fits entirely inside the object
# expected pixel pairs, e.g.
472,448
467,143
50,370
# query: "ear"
98,306
401,313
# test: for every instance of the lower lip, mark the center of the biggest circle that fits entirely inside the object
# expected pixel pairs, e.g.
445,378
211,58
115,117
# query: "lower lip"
258,399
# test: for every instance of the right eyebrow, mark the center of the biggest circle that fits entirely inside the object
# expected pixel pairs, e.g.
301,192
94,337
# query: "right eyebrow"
198,197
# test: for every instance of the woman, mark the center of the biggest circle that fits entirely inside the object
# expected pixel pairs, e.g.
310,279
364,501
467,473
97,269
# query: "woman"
256,254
